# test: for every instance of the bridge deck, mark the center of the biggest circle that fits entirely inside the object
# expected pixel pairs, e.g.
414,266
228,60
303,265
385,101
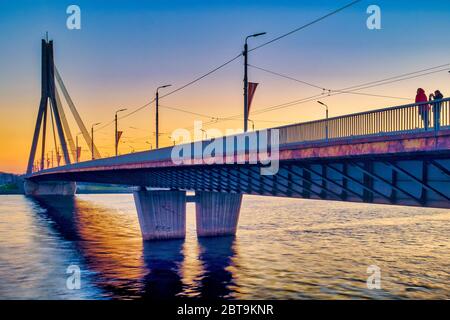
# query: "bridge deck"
397,145
392,130
400,164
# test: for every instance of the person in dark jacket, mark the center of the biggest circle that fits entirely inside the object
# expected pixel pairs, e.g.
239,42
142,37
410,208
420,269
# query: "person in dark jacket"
424,109
437,108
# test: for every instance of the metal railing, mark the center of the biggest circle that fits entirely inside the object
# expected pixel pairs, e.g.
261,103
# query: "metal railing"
429,116
424,117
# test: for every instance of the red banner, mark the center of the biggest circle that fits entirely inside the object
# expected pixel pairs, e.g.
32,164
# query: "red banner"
251,92
119,134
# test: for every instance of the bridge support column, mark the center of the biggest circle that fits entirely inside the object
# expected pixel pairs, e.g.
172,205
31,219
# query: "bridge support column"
162,214
217,213
49,188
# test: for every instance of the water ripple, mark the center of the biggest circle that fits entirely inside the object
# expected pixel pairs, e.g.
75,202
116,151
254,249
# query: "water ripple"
284,249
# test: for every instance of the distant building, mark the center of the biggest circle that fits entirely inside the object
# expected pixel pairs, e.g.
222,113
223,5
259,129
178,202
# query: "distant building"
8,178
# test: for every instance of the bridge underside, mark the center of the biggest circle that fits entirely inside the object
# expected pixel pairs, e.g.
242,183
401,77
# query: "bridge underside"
410,179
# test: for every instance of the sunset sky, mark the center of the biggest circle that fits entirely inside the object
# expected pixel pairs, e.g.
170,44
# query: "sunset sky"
125,49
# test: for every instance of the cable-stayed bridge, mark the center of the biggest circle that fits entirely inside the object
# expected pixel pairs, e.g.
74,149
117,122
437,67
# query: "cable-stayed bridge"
393,156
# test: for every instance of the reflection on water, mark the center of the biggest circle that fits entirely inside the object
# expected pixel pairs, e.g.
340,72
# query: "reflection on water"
216,256
163,261
284,248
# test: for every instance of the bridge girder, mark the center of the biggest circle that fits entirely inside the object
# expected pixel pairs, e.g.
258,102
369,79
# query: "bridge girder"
421,180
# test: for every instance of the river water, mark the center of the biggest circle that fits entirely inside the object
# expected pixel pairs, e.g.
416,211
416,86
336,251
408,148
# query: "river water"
284,249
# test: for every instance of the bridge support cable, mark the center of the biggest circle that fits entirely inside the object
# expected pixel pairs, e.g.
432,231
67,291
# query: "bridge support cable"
44,136
66,126
54,136
37,129
59,127
76,115
52,97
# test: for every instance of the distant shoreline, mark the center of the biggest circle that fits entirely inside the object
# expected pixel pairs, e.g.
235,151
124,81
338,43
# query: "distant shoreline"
12,185
4,193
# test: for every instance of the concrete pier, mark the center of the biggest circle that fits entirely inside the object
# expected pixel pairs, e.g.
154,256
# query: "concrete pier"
49,188
161,213
217,213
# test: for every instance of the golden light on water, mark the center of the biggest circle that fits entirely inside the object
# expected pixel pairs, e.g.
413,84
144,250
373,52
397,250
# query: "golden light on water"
284,249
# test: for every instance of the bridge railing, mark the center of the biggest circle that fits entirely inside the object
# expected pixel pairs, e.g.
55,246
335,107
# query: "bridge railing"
409,118
424,117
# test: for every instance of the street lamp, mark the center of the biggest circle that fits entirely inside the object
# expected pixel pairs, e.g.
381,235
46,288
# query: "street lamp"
151,147
326,116
253,124
92,139
245,53
76,147
117,135
157,112
206,134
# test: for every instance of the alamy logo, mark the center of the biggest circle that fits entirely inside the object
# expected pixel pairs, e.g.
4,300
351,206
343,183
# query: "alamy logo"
374,280
232,147
73,282
73,22
374,20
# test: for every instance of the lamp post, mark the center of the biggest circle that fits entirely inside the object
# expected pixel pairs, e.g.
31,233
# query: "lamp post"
151,147
76,147
92,139
117,132
326,116
172,139
245,53
253,124
206,134
157,112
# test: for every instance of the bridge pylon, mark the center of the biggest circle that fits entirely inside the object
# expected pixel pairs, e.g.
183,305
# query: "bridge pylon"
49,94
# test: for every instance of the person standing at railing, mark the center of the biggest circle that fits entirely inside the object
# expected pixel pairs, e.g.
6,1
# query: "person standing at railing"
437,108
424,109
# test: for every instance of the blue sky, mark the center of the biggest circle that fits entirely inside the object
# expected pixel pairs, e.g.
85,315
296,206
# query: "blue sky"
126,40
